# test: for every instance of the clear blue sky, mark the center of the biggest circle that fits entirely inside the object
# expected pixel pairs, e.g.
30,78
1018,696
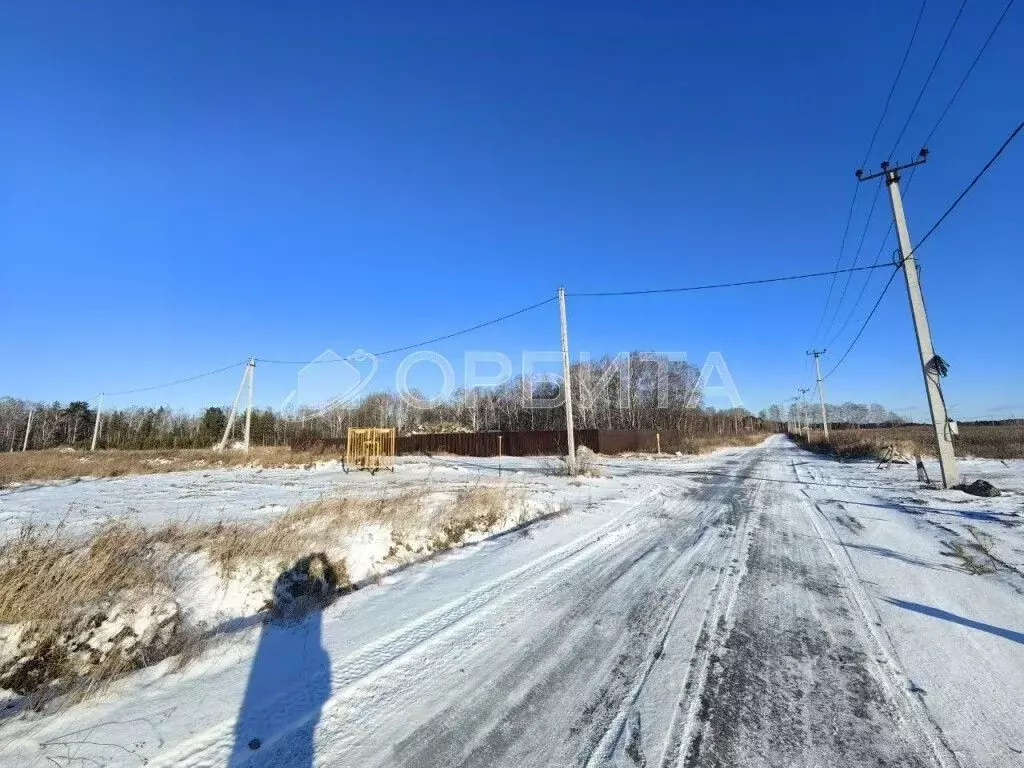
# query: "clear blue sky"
185,184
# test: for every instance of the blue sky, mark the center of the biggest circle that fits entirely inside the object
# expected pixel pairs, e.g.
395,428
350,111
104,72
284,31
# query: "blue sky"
183,185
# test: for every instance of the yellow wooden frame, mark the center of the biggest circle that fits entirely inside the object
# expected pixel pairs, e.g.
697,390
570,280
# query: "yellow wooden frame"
370,448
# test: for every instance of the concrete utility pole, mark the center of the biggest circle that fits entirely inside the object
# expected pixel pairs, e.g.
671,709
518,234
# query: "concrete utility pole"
821,388
251,368
570,460
803,409
794,410
28,431
96,426
930,363
234,407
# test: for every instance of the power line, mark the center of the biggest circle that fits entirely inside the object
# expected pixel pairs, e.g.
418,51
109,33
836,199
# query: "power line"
177,381
839,258
867,278
863,290
1016,131
865,324
892,89
970,69
420,343
928,79
970,186
867,155
856,258
720,285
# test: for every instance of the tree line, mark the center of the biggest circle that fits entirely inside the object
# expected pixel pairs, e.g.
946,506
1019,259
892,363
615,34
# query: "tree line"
641,391
852,414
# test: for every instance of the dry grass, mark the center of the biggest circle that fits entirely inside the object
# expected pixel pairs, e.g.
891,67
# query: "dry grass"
56,584
991,442
56,464
45,574
60,587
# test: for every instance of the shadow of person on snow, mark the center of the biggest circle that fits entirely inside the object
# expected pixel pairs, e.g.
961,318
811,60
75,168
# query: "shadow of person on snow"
289,682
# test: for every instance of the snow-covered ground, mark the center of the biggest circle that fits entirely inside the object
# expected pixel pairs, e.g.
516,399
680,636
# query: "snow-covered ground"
760,606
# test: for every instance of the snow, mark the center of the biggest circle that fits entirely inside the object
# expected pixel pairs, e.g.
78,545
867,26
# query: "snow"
754,606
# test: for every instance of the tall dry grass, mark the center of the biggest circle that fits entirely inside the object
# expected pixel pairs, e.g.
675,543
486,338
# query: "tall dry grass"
52,581
1004,441
58,464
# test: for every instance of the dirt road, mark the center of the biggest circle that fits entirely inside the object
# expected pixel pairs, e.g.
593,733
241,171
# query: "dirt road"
782,611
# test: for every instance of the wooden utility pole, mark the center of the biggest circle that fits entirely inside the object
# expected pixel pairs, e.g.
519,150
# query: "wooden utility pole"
570,460
821,387
932,367
96,426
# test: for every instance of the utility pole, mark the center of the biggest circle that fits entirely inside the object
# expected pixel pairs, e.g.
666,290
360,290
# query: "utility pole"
803,409
251,369
96,426
821,387
570,460
932,366
234,407
28,430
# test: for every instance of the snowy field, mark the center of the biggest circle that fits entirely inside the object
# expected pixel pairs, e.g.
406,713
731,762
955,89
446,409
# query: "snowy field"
761,606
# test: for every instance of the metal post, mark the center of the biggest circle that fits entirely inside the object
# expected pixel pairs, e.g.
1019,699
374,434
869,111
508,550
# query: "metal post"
28,430
499,455
251,369
821,387
96,425
570,437
940,419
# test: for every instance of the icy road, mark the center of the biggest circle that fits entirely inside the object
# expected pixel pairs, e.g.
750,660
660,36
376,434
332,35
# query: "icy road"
760,607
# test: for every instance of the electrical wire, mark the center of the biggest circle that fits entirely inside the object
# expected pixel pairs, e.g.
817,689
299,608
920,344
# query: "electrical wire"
863,290
892,89
856,259
719,285
864,325
867,155
928,79
878,256
959,198
970,186
967,76
176,381
1016,131
839,258
419,343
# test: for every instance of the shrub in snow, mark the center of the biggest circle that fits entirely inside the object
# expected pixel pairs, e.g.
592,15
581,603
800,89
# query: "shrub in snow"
307,585
586,462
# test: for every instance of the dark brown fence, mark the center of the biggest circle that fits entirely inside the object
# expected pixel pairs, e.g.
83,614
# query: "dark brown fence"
537,443
534,443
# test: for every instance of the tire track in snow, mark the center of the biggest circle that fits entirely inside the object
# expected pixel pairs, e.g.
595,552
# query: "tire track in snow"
211,746
889,672
715,628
